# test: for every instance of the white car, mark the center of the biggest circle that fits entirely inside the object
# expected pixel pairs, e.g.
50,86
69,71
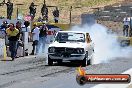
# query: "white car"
74,46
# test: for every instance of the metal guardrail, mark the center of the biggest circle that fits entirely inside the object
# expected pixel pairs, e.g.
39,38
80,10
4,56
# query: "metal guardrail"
2,45
3,36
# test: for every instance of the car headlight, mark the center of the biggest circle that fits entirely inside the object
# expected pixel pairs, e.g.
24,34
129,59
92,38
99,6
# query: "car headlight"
80,50
51,49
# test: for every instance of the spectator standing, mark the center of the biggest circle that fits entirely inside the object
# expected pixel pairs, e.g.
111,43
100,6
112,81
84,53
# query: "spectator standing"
4,25
35,35
3,28
56,15
126,22
26,31
12,34
19,27
26,28
44,11
32,10
9,9
42,37
130,32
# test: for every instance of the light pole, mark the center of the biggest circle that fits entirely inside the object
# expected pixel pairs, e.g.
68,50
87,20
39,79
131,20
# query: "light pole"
71,9
70,14
44,2
18,9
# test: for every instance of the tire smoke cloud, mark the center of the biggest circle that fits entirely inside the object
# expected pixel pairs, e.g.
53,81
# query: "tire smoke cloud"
106,45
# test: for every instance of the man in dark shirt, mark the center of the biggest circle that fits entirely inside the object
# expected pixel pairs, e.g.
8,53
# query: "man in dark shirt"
9,9
56,15
130,32
44,11
32,10
19,27
42,37
19,36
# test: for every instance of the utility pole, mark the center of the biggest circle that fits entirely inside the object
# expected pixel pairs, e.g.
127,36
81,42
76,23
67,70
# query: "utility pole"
18,9
44,2
70,14
98,15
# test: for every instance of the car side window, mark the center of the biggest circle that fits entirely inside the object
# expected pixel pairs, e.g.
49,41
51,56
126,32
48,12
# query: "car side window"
88,39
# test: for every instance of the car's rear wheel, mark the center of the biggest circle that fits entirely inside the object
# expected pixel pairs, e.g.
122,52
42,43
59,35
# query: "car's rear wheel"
50,61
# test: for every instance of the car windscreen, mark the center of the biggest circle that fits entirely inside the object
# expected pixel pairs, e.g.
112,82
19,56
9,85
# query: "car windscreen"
70,37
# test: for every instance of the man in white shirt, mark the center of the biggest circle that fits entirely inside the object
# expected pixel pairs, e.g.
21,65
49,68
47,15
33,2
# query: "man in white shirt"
126,22
26,30
35,35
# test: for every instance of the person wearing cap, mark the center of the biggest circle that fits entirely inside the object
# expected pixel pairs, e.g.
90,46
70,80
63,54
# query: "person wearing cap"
4,25
12,34
35,36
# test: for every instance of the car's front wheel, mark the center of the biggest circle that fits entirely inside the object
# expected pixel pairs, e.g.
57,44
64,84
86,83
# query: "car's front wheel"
50,61
84,62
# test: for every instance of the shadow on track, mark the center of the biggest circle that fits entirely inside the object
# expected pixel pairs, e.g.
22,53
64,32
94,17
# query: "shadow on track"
67,64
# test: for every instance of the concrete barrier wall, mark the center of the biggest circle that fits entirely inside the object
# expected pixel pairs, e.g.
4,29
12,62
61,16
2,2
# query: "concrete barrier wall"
2,44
